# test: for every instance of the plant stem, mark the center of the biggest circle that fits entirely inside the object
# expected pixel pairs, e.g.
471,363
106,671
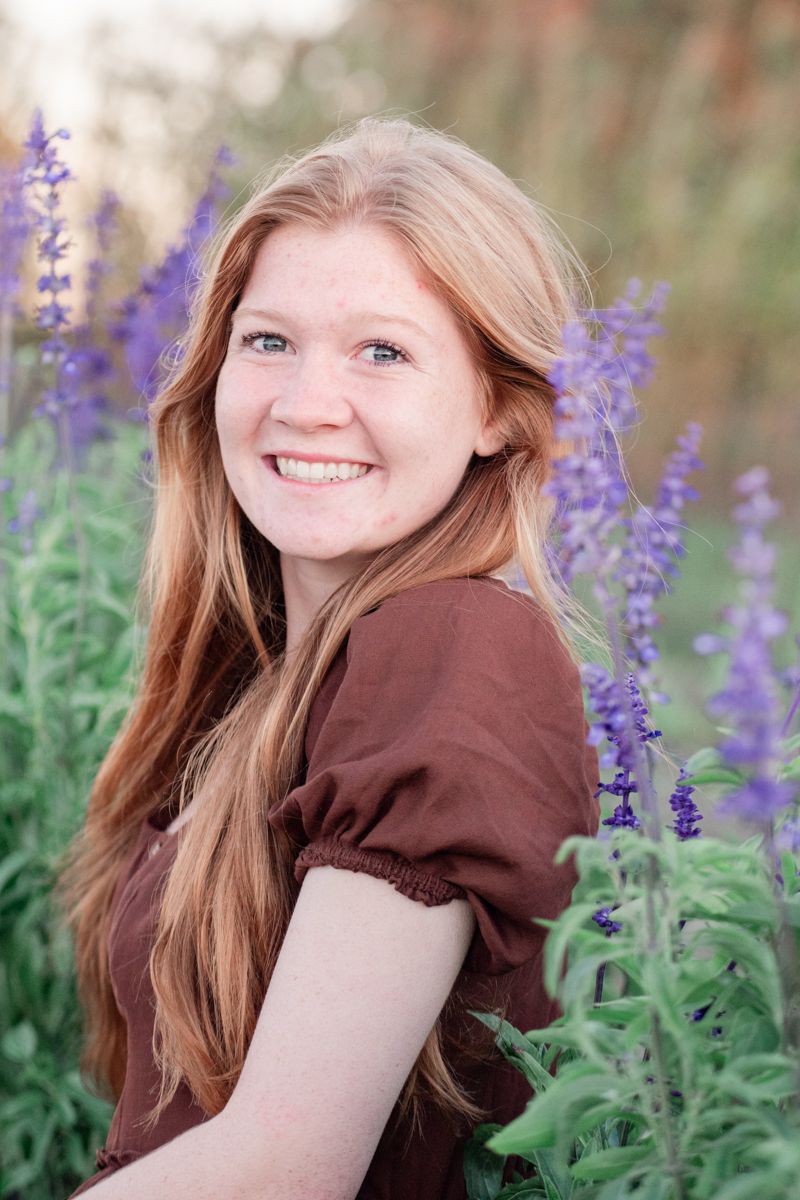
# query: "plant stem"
675,1165
793,707
786,954
6,351
83,565
646,793
598,984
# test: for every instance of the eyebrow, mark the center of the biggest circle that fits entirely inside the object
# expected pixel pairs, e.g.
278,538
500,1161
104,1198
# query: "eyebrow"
384,318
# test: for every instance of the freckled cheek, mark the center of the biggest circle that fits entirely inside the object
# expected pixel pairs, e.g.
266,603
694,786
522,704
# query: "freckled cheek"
241,406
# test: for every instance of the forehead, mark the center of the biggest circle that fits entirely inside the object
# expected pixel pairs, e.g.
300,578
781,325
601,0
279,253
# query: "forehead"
342,267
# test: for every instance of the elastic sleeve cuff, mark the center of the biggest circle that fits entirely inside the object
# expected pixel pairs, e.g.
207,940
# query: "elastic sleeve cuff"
381,864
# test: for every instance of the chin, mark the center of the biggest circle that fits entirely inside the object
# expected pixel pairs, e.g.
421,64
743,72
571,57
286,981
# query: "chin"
314,548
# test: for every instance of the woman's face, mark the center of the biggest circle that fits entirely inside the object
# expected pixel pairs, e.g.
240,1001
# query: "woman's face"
348,405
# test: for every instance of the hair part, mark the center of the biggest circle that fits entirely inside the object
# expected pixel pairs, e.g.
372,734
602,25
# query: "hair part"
220,713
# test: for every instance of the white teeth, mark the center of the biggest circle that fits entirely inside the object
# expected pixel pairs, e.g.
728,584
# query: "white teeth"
319,472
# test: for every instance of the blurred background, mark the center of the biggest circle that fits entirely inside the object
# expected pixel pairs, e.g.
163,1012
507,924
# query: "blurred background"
663,134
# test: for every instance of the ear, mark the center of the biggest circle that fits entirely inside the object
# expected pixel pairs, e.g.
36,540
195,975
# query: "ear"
489,441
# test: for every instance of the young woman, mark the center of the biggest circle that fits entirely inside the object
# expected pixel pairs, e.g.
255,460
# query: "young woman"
329,822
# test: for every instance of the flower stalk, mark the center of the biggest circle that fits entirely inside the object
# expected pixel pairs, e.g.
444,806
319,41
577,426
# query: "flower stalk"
45,176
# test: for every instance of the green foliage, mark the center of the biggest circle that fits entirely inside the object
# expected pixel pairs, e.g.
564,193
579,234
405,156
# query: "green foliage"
56,722
681,1082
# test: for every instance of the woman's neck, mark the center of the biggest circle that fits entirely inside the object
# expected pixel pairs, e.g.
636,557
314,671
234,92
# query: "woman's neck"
307,586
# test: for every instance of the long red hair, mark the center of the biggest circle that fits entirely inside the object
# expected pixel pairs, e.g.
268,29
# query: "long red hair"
219,715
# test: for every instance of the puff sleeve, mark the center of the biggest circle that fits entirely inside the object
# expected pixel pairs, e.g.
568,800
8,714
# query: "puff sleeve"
447,754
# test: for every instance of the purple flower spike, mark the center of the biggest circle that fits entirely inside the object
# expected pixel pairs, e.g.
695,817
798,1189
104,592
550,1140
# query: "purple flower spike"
595,405
653,544
750,700
603,918
156,316
624,330
15,224
686,812
607,700
87,365
45,174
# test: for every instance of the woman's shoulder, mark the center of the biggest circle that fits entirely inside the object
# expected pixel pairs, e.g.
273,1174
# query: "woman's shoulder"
485,596
474,619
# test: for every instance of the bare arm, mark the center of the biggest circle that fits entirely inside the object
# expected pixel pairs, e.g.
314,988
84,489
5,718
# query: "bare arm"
360,981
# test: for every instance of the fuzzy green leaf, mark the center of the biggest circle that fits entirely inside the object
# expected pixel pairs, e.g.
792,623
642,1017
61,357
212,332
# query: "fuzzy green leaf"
716,775
611,1163
483,1170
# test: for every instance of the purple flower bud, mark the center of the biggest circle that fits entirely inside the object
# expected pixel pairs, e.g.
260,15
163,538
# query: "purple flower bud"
686,812
603,919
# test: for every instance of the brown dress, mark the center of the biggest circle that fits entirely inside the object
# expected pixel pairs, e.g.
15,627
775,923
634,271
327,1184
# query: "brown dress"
446,754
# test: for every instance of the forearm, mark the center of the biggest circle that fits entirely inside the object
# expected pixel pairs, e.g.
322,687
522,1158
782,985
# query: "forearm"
360,980
218,1161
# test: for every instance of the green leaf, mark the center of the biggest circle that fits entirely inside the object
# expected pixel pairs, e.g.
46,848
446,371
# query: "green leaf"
554,1174
709,756
611,1163
580,1086
551,1191
483,1170
524,1189
19,1044
760,911
13,864
716,775
790,770
752,1034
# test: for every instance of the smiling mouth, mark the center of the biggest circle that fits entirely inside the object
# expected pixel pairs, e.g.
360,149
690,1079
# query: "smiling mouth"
301,471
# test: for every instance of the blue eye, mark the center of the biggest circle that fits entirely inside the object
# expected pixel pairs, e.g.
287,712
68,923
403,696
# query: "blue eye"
383,352
266,343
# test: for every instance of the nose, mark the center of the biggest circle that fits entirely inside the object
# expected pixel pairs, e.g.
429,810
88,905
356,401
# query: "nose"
313,396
